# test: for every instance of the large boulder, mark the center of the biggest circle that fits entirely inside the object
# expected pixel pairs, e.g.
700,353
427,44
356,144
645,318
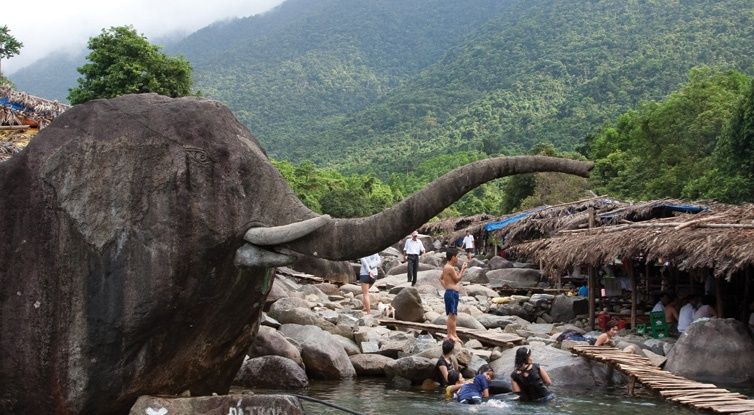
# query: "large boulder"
565,308
476,275
370,364
323,355
492,321
403,268
120,223
408,305
714,350
336,271
225,404
256,373
269,342
462,320
413,368
514,277
498,262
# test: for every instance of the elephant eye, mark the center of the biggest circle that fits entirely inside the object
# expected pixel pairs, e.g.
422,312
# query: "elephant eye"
198,155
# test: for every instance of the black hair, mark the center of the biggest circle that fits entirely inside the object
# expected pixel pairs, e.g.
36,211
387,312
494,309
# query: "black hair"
484,369
450,253
453,377
610,324
522,357
447,346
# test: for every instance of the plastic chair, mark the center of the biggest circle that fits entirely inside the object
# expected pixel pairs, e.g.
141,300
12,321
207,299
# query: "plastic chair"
658,325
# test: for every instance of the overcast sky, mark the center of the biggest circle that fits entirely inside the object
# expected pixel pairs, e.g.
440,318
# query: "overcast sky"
46,26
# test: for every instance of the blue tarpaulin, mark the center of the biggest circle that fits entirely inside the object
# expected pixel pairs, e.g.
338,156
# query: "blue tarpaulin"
682,208
13,105
505,222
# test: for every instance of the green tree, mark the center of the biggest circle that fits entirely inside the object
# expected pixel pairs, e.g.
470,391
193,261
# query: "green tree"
731,177
124,62
662,149
9,46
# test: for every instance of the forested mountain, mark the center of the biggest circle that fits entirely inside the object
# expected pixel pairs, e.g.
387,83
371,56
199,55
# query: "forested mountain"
381,85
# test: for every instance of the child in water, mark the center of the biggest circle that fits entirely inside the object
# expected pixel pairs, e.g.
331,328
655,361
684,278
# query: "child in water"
473,393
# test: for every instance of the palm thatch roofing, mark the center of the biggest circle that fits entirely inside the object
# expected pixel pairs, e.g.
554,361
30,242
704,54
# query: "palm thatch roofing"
546,221
19,108
453,228
720,238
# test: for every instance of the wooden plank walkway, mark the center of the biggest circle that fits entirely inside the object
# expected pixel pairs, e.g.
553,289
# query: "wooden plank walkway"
493,338
702,396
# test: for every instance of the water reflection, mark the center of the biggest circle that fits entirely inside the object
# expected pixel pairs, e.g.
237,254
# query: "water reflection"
374,396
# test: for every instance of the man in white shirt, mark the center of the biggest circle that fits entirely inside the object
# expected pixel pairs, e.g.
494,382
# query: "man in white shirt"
686,315
468,244
412,249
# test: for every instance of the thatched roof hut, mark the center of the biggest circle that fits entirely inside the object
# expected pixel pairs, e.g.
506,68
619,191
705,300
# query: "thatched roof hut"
19,108
721,239
546,221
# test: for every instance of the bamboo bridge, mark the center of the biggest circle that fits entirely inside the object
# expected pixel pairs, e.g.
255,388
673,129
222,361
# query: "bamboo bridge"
677,389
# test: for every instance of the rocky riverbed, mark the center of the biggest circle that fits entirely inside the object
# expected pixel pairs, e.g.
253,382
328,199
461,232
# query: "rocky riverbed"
318,331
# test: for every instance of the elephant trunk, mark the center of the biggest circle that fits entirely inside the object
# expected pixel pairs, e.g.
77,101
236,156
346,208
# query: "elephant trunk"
344,239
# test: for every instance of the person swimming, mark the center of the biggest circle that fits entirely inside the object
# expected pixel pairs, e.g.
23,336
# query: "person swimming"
530,380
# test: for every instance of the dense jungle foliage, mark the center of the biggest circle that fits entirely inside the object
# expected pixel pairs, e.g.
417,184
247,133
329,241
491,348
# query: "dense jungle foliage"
378,86
366,102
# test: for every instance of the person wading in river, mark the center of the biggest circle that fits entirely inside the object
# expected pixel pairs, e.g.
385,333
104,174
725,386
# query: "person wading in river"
529,380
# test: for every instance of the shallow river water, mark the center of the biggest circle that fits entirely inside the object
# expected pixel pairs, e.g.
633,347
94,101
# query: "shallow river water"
374,396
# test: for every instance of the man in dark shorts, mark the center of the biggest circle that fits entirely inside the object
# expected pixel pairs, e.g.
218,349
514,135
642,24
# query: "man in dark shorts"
450,280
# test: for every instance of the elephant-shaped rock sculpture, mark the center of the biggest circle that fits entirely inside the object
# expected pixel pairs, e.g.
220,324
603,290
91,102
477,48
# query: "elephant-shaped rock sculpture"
138,237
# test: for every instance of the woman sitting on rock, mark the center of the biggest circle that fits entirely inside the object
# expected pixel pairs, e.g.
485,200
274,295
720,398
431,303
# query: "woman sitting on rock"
529,380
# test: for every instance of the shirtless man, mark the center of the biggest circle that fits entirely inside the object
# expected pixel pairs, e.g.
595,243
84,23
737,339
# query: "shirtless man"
450,279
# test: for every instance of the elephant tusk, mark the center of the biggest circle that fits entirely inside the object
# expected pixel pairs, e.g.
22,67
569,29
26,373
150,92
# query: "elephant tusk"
254,257
276,235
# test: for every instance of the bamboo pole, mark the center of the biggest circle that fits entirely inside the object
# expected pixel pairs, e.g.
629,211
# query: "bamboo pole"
592,288
632,274
14,127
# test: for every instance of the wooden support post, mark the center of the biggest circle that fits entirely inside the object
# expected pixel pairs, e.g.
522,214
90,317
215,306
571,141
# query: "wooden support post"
592,288
592,217
719,296
632,274
631,386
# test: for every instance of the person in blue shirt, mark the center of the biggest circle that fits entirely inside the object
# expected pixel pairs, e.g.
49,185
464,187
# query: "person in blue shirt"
473,393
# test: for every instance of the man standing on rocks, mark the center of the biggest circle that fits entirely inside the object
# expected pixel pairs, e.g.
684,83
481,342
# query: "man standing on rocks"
468,244
412,249
450,280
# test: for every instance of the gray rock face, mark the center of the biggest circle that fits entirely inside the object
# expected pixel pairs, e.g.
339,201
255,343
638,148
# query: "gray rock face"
480,290
514,309
225,404
324,357
256,373
403,268
462,320
370,364
498,262
269,342
408,305
130,211
476,275
715,350
566,308
514,277
413,368
491,321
